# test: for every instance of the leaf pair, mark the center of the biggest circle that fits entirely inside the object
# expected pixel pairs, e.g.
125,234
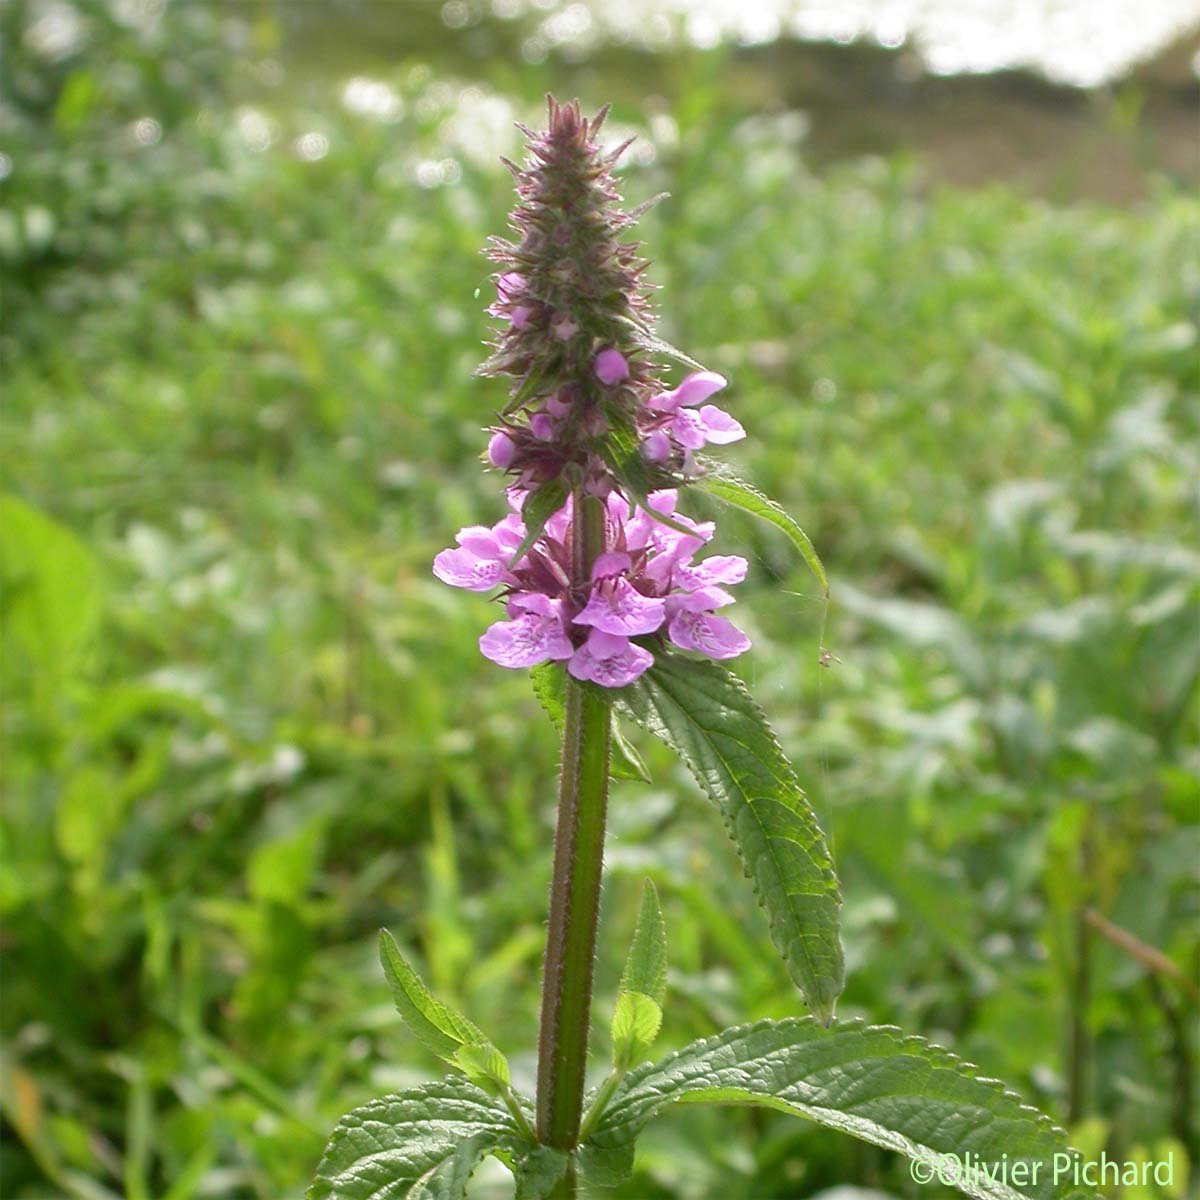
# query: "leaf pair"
870,1082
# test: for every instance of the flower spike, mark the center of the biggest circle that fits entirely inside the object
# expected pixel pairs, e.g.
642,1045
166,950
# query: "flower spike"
575,333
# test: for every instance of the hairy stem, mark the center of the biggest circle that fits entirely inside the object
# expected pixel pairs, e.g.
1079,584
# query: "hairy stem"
575,887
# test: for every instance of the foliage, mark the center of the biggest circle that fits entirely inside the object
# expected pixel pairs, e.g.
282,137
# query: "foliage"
238,419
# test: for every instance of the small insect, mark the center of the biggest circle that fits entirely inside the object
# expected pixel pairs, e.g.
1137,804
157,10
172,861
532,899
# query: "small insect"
826,658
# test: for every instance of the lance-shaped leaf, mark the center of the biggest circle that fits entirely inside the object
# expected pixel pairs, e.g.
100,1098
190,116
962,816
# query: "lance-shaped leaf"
621,449
538,508
439,1029
871,1082
722,483
703,711
422,1144
646,964
648,340
526,391
549,686
637,1017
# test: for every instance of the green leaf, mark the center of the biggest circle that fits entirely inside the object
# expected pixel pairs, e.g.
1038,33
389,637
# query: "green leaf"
549,683
537,1170
51,586
484,1066
722,483
538,508
873,1083
525,392
646,965
621,449
635,1024
605,1166
421,1144
704,713
439,1029
647,339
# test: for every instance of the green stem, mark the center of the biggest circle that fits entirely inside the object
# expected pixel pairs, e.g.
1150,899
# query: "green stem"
575,887
510,1102
603,1096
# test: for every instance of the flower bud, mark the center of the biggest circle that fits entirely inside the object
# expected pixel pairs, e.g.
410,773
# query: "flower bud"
500,450
610,366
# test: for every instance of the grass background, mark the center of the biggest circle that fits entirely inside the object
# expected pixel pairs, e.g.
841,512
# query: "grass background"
244,727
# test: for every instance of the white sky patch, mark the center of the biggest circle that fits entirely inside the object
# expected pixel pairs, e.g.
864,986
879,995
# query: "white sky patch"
1080,42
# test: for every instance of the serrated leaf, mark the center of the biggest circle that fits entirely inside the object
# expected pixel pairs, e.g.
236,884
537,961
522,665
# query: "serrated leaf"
549,683
646,964
439,1029
873,1083
421,1144
720,482
538,508
635,1024
705,714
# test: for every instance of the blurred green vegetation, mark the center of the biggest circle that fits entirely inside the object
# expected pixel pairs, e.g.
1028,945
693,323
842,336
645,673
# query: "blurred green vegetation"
244,727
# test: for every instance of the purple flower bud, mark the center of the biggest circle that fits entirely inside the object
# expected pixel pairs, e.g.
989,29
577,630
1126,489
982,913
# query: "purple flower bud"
501,450
563,328
599,484
656,447
510,285
542,427
559,405
610,366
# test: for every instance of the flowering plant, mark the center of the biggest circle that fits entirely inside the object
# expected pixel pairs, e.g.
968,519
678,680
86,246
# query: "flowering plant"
611,601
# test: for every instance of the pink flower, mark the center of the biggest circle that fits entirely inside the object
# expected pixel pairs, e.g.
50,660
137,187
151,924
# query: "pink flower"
691,428
711,636
535,635
609,660
616,607
643,584
610,366
478,562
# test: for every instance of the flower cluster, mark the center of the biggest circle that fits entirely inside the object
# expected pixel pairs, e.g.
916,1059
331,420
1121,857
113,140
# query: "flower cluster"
574,332
645,586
